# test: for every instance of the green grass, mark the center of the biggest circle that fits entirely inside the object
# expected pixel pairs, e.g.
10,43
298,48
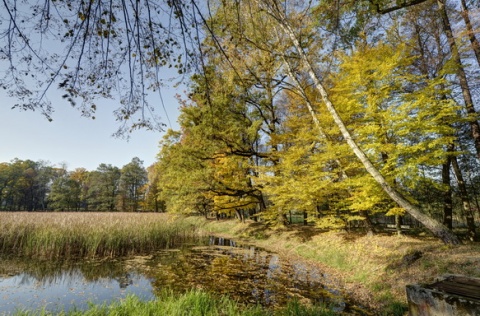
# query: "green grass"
192,303
370,268
72,235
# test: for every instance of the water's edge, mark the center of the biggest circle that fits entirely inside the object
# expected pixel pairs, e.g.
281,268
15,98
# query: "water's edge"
217,265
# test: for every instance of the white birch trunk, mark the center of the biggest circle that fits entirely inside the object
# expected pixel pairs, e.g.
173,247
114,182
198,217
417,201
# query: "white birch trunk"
431,224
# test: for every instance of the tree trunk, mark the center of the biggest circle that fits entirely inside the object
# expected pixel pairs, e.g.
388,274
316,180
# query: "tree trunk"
368,223
253,215
240,215
447,195
475,191
462,77
432,225
467,209
398,224
471,34
262,203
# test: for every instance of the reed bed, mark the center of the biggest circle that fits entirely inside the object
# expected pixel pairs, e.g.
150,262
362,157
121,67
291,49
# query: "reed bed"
71,235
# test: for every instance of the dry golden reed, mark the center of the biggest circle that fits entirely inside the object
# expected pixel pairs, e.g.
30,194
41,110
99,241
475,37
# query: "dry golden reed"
70,235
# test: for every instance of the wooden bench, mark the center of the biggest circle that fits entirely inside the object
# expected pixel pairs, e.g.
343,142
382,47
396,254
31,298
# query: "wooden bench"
449,295
393,226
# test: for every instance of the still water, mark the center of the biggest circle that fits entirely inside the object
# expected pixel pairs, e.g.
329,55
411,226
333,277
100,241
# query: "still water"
221,266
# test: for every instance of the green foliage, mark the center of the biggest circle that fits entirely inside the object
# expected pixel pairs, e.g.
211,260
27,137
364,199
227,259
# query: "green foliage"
207,166
398,117
246,141
103,188
192,303
182,177
65,194
131,186
24,184
32,186
153,200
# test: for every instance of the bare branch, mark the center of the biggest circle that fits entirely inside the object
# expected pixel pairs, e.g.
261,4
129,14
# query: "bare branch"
403,5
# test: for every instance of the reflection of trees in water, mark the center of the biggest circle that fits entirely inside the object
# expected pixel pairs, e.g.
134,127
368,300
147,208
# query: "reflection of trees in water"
45,273
124,280
246,274
220,241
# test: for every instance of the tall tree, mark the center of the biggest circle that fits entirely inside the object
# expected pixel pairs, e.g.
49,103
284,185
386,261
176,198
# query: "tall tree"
103,187
462,76
81,176
208,163
132,182
470,31
65,193
152,200
285,23
183,178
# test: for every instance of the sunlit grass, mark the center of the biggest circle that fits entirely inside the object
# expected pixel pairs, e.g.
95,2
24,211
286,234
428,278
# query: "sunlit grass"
68,235
369,269
192,303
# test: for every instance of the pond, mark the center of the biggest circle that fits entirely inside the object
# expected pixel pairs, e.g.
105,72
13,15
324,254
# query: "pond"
221,266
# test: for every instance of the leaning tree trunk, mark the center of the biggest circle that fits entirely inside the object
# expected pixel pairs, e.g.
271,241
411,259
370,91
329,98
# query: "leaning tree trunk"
369,227
431,224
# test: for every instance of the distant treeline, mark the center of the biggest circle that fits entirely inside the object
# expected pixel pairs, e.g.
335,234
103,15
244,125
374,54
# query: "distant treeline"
27,185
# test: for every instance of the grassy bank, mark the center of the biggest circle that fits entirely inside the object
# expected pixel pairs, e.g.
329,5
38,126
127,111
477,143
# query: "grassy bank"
373,270
194,303
71,235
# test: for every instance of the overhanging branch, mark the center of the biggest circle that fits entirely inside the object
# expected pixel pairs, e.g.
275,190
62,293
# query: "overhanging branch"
404,4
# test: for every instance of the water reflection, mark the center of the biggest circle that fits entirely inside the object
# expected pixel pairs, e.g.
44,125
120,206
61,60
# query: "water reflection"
248,274
218,265
66,291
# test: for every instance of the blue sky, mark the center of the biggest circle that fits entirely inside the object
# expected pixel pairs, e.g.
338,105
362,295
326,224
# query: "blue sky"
75,140
71,139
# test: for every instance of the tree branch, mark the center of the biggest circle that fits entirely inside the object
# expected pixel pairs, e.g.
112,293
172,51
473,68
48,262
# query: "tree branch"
395,8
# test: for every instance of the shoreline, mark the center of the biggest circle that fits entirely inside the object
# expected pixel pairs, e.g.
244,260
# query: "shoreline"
371,270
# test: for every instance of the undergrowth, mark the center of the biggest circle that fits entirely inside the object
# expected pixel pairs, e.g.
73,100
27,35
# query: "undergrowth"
193,303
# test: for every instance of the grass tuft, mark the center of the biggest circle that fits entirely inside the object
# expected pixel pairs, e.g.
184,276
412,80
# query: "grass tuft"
193,303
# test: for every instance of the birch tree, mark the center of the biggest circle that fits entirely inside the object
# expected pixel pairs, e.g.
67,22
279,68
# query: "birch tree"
285,24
